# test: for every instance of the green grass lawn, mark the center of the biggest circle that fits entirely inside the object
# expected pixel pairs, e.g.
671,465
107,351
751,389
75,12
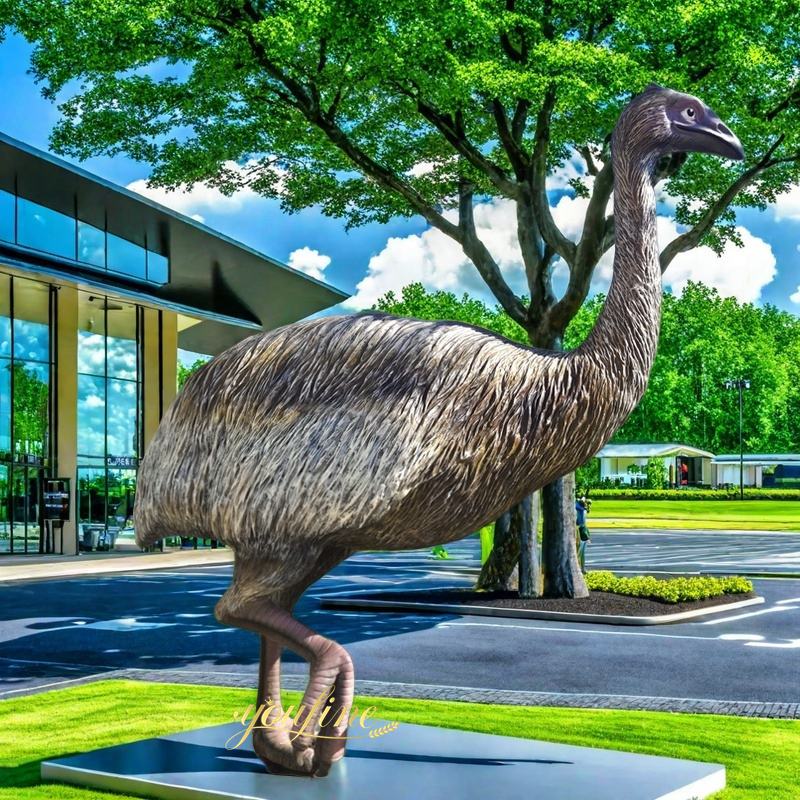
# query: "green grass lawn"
755,515
762,756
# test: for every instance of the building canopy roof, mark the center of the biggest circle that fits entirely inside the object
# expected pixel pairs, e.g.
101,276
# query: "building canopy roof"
651,451
759,459
237,290
666,450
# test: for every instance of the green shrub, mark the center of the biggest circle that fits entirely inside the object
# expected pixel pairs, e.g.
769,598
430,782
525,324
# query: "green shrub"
439,551
670,590
639,493
656,473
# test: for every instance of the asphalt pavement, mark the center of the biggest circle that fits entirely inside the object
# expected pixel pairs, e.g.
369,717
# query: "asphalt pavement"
161,622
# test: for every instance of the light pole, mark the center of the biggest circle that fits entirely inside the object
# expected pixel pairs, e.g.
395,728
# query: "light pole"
741,384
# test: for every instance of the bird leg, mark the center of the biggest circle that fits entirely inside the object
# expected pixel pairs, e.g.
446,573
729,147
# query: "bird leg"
271,742
330,666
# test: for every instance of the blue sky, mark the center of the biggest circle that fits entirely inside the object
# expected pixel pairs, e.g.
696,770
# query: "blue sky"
390,255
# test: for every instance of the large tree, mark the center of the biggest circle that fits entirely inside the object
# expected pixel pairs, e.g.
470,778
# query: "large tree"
376,109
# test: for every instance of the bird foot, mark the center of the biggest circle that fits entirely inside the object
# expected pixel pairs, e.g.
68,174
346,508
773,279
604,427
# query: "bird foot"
281,757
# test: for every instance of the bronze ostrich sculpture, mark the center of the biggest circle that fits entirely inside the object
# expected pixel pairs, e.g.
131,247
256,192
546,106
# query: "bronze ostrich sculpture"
303,445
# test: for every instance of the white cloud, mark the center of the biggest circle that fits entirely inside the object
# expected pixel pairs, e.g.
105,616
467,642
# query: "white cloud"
787,206
795,298
741,272
438,263
312,262
200,198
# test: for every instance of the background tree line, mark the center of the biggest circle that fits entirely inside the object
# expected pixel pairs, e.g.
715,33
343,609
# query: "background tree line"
704,340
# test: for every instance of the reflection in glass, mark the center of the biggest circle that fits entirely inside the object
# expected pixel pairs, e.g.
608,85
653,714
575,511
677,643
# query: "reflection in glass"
5,520
91,245
31,320
25,528
121,340
30,382
157,267
121,488
5,410
44,229
91,353
126,257
5,316
122,357
121,431
92,495
91,415
6,216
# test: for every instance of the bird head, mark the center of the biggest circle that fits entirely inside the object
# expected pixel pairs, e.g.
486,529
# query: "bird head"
661,122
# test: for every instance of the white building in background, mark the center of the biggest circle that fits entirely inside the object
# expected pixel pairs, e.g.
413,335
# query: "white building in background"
689,466
683,465
779,470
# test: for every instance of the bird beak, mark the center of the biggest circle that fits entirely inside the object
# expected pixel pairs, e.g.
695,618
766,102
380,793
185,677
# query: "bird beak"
710,135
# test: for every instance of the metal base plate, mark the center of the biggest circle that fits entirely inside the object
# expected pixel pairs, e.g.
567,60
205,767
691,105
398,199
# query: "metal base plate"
413,762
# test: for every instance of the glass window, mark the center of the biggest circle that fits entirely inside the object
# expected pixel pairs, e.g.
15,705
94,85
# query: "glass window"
91,334
121,431
91,498
157,267
30,416
121,340
126,257
6,216
31,320
91,245
121,493
5,316
108,418
5,409
91,415
44,229
5,518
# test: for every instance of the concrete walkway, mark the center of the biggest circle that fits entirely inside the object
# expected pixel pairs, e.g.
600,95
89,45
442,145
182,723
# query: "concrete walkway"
421,691
20,568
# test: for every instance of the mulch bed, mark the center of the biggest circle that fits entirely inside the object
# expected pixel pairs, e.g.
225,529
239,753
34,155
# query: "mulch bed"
596,603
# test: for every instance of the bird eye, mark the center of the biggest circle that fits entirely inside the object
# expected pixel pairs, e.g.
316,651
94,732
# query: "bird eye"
689,113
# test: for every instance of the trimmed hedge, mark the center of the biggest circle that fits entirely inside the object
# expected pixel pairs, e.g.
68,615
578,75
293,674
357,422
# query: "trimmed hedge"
693,494
670,590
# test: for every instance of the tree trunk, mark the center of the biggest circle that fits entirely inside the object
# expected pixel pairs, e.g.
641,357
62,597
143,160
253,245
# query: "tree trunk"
498,573
562,574
525,518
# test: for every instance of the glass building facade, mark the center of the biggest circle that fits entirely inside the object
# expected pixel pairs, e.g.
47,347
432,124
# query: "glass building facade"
39,228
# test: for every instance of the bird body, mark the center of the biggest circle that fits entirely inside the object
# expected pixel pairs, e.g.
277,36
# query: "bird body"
364,431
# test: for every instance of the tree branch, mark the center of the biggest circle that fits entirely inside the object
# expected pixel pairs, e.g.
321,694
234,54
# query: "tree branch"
591,165
304,102
541,205
452,128
516,155
482,258
693,237
588,251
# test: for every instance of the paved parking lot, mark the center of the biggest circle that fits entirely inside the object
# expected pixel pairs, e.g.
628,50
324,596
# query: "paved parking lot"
161,623
687,551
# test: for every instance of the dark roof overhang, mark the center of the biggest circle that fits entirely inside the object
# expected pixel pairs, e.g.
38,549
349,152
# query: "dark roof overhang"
211,275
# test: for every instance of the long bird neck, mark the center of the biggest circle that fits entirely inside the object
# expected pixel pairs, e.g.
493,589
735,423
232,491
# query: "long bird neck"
592,390
624,340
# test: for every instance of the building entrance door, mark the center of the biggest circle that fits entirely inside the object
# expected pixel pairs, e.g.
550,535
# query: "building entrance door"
26,508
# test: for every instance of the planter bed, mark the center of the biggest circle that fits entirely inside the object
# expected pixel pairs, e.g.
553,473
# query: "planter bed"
598,607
